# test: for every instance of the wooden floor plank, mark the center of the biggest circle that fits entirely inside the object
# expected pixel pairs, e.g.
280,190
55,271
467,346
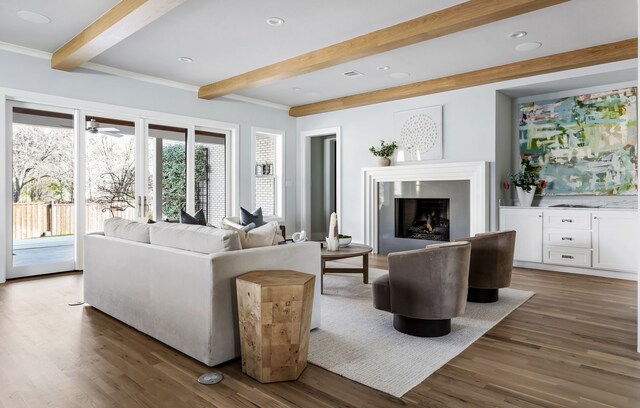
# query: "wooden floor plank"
571,345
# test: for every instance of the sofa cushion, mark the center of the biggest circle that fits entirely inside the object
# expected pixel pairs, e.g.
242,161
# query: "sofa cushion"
255,217
257,237
126,229
195,238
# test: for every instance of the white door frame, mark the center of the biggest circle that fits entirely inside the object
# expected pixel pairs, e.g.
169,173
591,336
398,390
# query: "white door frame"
6,238
305,179
35,269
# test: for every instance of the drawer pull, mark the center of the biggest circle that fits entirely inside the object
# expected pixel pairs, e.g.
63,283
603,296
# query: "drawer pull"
567,257
567,220
567,239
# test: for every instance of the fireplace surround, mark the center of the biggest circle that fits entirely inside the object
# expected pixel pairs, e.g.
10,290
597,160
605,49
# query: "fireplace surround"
476,173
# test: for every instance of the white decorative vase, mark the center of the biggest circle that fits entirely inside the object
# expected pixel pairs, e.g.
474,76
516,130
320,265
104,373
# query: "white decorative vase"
384,161
333,244
525,198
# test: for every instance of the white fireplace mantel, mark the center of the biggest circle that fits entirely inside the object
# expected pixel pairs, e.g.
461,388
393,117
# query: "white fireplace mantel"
475,172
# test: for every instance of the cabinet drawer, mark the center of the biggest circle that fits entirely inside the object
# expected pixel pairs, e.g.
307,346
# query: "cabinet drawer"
568,238
568,219
567,256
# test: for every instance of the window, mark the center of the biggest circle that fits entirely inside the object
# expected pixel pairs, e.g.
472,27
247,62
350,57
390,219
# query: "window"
211,175
268,159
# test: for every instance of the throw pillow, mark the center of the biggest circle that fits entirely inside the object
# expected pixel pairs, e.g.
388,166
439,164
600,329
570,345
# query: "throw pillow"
197,219
248,227
255,217
257,237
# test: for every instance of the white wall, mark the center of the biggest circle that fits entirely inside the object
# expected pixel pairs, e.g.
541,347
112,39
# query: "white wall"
471,131
504,142
34,74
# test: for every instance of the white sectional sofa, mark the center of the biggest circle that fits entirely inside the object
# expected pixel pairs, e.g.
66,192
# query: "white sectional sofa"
161,280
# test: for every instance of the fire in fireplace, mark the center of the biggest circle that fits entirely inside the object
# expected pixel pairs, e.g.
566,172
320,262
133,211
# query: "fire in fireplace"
422,218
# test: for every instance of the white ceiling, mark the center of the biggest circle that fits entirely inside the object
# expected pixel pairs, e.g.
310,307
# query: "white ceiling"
68,18
230,37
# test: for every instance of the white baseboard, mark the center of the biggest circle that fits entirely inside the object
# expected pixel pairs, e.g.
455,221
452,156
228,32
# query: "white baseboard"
580,271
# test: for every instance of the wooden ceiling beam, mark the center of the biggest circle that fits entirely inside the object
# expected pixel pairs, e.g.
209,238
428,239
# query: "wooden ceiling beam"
601,54
464,16
124,19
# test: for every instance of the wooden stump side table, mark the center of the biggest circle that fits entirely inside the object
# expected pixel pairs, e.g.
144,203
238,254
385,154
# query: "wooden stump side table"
274,313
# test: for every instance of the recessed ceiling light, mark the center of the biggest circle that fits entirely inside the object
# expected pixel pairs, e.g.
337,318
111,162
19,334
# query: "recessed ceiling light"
399,75
275,21
33,17
383,68
528,46
518,34
296,89
185,59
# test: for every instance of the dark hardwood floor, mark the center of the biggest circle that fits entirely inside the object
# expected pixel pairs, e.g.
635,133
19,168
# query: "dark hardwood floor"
571,345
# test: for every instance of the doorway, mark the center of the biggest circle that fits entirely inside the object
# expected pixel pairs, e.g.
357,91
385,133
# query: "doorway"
322,172
43,185
320,191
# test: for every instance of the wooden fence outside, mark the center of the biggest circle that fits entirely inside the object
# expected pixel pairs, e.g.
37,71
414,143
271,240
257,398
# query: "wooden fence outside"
32,220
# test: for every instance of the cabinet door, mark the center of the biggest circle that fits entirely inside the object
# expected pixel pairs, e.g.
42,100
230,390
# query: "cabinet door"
528,226
615,240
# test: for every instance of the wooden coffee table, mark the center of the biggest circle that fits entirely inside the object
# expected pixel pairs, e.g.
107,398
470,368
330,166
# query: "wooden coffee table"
351,251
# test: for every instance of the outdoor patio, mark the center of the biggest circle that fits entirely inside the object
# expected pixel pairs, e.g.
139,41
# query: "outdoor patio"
42,250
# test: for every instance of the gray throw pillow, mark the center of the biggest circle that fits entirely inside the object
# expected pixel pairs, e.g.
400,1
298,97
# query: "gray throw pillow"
197,219
255,217
248,227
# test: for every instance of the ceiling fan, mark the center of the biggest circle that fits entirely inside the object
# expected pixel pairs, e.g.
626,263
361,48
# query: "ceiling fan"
93,127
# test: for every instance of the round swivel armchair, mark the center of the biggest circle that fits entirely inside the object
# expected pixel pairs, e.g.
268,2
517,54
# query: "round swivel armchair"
491,264
425,288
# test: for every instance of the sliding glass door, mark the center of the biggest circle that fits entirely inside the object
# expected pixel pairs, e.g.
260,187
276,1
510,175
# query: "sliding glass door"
74,169
167,172
110,175
43,169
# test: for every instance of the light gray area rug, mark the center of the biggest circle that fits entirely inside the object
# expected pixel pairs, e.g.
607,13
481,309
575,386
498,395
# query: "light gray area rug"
359,342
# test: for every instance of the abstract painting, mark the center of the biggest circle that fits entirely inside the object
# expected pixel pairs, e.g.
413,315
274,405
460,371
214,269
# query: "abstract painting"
419,132
583,145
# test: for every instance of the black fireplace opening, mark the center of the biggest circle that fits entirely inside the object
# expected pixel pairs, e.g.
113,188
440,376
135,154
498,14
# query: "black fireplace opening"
422,218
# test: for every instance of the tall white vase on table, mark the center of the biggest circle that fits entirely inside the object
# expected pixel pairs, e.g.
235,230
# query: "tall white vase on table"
333,244
525,197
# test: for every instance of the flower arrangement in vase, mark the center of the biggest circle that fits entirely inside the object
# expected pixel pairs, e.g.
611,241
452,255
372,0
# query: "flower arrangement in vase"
385,151
526,182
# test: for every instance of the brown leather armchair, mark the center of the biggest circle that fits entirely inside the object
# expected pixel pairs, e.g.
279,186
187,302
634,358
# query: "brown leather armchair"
425,288
491,265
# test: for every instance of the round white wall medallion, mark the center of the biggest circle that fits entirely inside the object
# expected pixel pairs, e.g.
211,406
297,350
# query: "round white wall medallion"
419,134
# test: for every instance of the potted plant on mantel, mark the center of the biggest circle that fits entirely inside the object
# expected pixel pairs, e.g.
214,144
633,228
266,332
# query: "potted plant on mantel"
526,182
385,151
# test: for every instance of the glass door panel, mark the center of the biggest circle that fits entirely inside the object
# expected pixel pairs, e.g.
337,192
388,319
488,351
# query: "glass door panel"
167,170
43,171
110,171
210,175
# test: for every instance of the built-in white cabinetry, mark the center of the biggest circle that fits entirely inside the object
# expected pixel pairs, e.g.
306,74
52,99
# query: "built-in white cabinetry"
615,240
598,242
567,238
526,223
